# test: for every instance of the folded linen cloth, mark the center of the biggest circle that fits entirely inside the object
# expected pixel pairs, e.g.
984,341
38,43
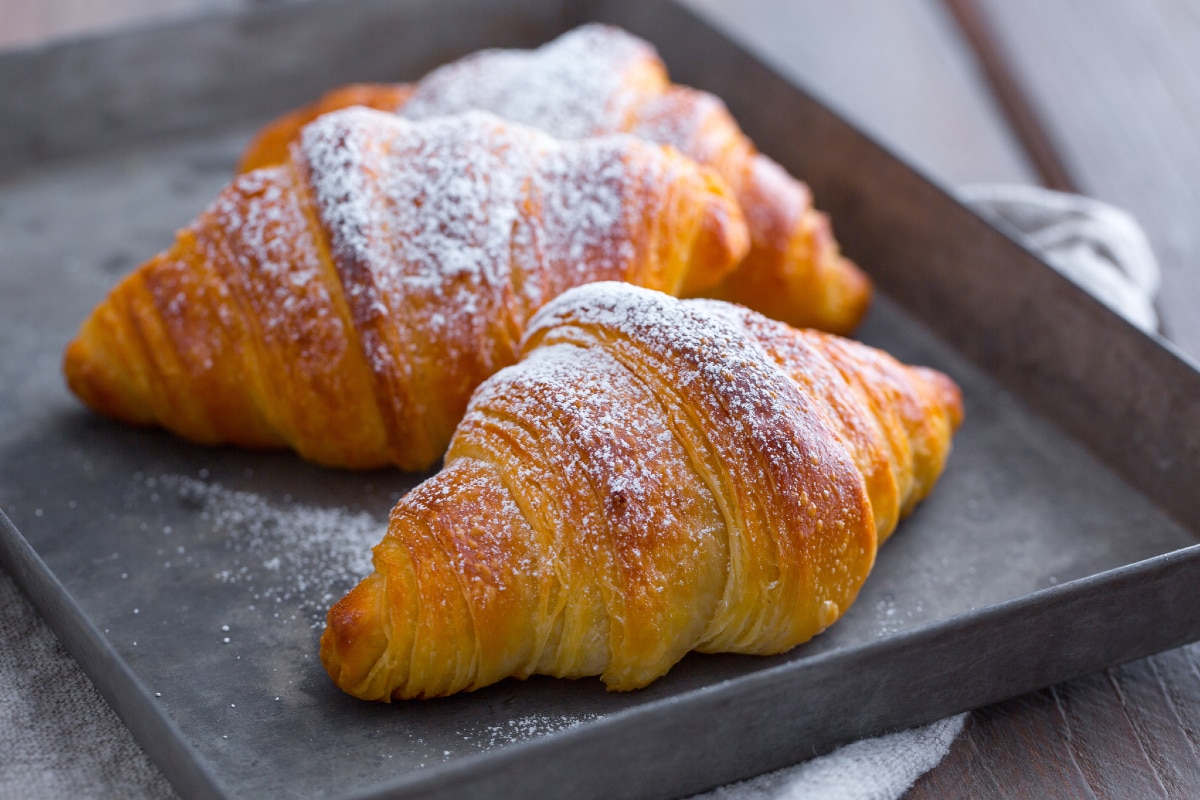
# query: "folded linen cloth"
882,768
60,739
1100,247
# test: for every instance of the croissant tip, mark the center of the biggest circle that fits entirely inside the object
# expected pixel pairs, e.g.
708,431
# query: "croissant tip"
75,369
857,292
948,394
97,377
725,221
355,638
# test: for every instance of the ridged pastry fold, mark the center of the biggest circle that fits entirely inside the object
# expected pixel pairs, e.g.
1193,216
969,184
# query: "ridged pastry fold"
598,79
654,476
346,302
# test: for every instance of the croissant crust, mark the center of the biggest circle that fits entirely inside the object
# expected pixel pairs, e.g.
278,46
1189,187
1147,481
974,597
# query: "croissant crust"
346,302
599,79
652,477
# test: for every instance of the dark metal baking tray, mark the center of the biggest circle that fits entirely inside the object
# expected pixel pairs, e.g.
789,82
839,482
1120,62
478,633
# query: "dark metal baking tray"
1062,538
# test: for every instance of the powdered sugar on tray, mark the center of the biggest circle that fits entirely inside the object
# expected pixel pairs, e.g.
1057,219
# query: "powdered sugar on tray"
527,726
302,556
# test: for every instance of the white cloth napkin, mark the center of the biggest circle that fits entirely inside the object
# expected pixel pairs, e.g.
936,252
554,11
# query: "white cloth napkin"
58,738
872,769
1099,246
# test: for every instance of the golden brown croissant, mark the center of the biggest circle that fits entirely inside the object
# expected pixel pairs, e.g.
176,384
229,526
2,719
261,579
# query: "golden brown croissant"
599,79
654,476
347,302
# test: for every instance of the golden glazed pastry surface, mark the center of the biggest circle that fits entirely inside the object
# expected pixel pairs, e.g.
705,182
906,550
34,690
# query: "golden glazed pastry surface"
599,79
653,476
347,302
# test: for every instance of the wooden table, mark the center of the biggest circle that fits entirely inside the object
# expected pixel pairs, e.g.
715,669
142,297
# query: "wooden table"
1097,96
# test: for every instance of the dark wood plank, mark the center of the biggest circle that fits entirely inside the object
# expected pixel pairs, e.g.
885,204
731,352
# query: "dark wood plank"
1160,697
1127,732
1093,720
1021,115
1004,752
1118,85
901,71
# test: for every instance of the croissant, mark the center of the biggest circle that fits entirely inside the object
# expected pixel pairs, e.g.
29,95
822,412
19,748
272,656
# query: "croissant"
347,302
599,79
654,476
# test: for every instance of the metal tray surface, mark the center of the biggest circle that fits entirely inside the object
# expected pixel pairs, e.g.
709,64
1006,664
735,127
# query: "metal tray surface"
1060,540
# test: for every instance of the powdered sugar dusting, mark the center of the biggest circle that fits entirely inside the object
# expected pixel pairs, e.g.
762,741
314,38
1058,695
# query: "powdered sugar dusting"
586,226
591,81
266,225
612,451
750,404
576,86
425,218
526,726
694,122
278,275
304,557
337,158
701,348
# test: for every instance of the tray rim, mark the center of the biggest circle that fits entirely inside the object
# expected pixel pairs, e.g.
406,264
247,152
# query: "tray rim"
183,764
155,731
195,777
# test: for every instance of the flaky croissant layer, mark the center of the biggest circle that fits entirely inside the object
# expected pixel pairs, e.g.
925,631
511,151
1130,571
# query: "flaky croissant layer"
598,79
653,476
347,302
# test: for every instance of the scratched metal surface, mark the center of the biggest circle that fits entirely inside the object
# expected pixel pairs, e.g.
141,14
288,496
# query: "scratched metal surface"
1037,558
